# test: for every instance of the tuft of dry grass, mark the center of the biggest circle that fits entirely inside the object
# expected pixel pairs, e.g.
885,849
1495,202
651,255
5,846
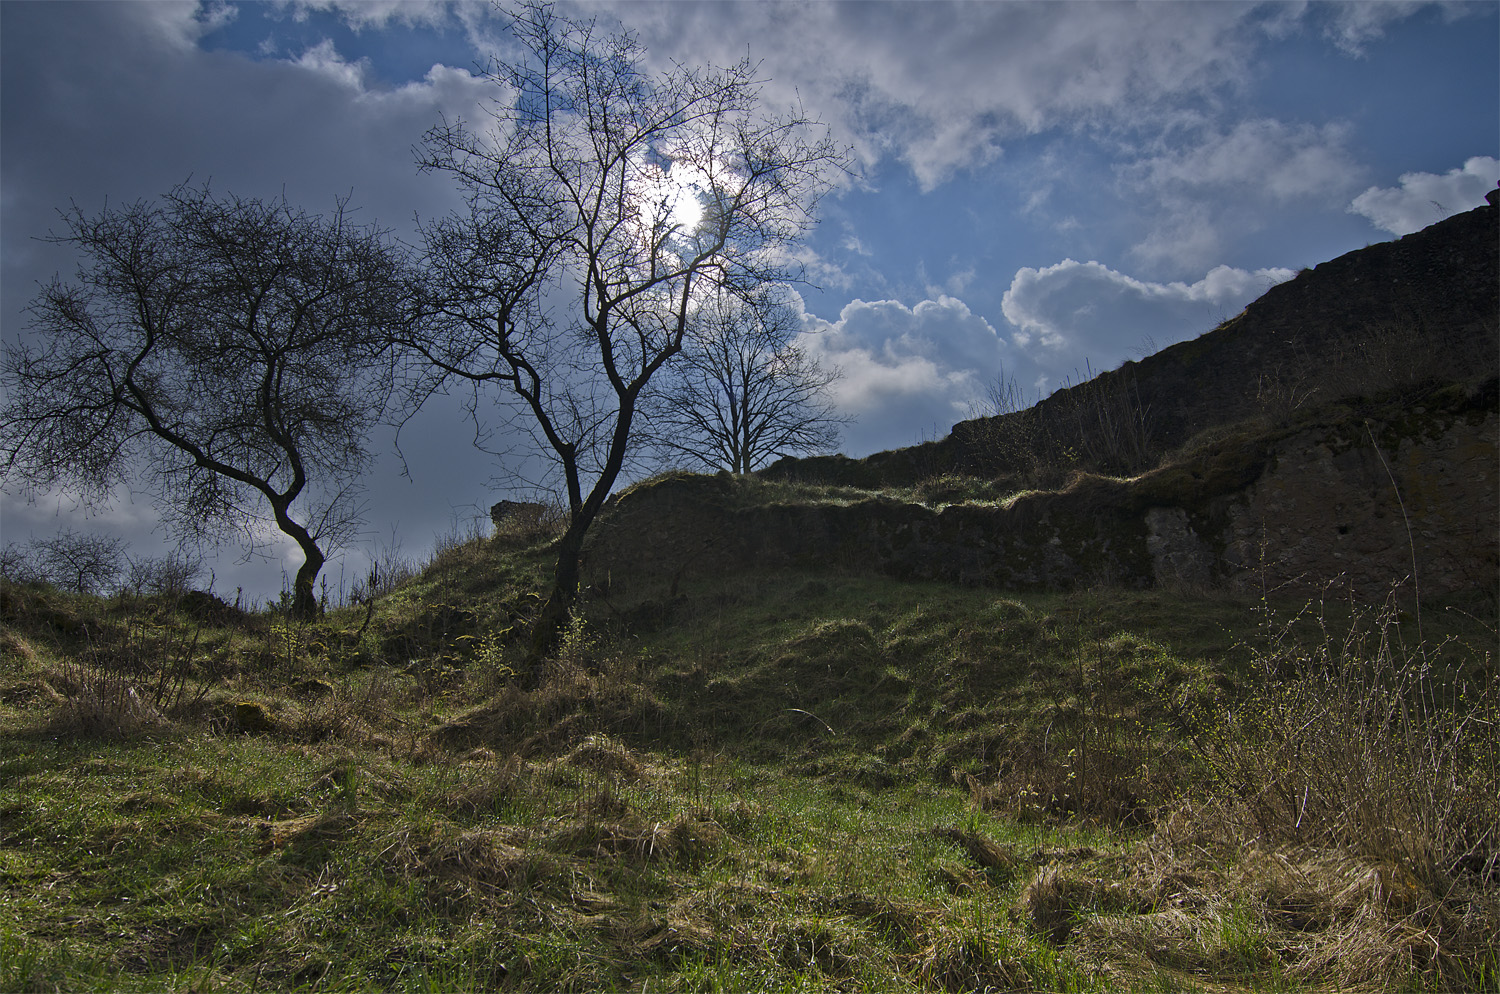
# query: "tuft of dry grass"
104,708
17,651
970,962
684,839
606,755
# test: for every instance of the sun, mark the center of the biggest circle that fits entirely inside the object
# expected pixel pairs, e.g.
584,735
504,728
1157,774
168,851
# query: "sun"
684,192
671,194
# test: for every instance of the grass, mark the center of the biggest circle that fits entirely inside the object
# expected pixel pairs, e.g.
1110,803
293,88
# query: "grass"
777,782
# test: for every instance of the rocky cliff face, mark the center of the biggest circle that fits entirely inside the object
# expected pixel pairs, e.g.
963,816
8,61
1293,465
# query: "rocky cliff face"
1365,497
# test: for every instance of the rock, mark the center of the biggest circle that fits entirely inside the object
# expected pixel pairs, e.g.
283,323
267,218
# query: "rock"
508,511
313,687
252,718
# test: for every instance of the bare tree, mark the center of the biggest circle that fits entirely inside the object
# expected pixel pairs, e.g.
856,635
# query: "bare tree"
82,563
171,575
743,392
604,204
229,355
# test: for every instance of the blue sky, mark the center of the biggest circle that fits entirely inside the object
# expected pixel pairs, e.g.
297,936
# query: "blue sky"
1040,188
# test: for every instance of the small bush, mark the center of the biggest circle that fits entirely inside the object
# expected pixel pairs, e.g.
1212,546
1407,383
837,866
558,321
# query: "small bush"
172,575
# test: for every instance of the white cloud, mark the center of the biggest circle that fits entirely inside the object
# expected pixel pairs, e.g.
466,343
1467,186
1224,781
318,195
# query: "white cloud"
1425,198
942,87
316,129
1352,26
908,372
325,60
1074,312
374,14
1228,180
180,25
852,244
1263,158
911,372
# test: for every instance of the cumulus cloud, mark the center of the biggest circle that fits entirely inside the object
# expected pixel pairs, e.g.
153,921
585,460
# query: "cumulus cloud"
1225,179
943,87
907,371
325,60
1425,198
914,371
1072,311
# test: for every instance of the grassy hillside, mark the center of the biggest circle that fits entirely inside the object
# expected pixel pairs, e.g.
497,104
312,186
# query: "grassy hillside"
779,782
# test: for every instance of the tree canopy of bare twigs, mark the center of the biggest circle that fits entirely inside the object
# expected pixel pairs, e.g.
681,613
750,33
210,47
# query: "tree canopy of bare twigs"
604,203
87,563
743,393
228,355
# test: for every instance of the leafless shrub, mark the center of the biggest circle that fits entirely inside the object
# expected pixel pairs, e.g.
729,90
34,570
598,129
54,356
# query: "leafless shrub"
171,575
389,569
1099,424
81,563
103,705
17,564
458,537
1368,743
1112,423
128,681
1281,392
1391,356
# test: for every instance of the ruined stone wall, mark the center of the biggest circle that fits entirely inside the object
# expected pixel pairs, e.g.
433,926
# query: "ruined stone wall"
1415,310
1349,498
1371,507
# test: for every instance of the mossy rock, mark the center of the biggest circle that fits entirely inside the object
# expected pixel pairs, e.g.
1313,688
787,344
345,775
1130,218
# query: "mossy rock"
253,718
313,687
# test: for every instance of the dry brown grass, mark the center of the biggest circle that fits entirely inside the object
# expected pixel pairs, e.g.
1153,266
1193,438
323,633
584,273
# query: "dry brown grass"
1369,744
985,852
1186,901
92,703
969,962
576,698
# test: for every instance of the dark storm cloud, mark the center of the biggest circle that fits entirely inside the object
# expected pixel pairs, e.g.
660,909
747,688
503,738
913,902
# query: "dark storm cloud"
111,103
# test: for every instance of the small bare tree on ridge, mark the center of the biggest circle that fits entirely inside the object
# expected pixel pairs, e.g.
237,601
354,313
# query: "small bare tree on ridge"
744,393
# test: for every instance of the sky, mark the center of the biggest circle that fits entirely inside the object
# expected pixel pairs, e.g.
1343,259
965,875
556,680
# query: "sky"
1039,190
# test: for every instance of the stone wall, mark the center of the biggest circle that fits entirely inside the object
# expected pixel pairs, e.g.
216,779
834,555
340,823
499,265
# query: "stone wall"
1362,503
1355,496
1412,311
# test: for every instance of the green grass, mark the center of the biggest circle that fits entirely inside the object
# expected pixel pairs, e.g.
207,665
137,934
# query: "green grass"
243,863
774,782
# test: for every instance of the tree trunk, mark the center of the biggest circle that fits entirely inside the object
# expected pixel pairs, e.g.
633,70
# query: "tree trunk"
304,601
305,605
559,604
